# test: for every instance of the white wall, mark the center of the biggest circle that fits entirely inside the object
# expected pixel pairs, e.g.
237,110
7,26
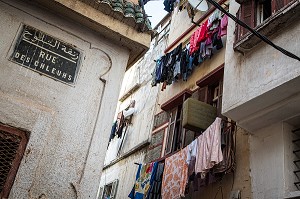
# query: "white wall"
69,126
145,102
271,162
259,85
125,172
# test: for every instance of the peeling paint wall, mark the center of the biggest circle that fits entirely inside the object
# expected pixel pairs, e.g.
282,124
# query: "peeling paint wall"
69,125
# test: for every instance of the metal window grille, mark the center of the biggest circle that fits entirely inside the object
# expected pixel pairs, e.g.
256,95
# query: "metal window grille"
12,146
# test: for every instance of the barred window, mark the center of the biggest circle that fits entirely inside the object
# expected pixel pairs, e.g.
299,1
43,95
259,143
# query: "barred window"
12,146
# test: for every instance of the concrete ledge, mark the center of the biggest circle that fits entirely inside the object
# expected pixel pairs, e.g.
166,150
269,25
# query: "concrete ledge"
127,154
294,195
279,21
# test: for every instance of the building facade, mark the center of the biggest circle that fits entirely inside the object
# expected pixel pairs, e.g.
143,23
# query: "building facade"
160,140
261,93
249,82
61,65
130,148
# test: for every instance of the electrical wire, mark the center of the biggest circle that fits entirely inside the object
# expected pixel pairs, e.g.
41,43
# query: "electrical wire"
262,37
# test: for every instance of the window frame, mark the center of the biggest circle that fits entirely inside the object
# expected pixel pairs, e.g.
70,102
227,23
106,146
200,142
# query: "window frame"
177,135
114,188
24,136
248,14
207,85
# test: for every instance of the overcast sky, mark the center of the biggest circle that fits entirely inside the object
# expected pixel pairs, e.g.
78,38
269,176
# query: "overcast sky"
156,10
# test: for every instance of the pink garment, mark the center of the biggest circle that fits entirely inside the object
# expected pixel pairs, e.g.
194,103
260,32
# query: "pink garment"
198,36
175,175
223,26
202,30
209,148
192,44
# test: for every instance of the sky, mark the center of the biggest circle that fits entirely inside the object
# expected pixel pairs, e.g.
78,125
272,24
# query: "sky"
156,10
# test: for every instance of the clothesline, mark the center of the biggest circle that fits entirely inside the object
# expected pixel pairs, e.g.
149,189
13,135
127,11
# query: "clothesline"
170,179
181,61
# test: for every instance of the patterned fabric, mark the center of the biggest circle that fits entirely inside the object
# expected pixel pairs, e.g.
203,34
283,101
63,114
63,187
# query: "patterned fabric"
209,148
143,183
132,193
175,175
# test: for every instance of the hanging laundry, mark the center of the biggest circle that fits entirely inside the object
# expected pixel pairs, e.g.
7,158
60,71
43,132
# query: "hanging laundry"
164,73
180,63
192,43
183,63
121,124
209,148
175,175
228,148
169,5
217,41
113,131
144,179
177,64
138,173
198,36
214,19
191,156
155,189
223,26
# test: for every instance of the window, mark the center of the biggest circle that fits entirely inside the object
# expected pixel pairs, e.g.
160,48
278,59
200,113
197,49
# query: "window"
168,134
158,136
210,89
175,137
255,12
162,31
263,11
12,146
174,131
109,190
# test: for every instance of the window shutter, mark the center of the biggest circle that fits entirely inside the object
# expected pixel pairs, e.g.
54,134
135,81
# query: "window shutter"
155,149
237,26
160,119
247,15
171,131
287,2
203,94
114,189
160,126
278,4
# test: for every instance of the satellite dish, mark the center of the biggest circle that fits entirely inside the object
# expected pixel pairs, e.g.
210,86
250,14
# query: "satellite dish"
199,4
